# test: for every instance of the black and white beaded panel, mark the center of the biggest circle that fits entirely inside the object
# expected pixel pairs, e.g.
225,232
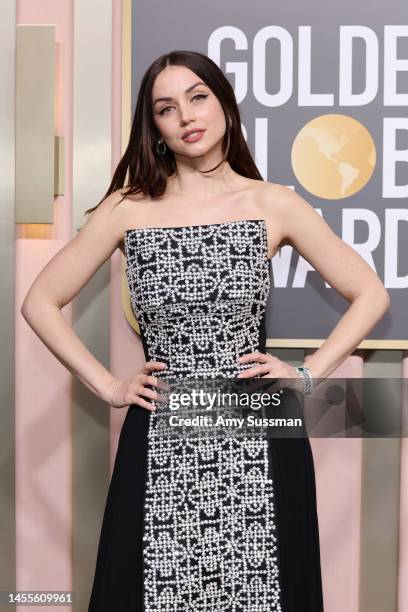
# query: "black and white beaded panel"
210,537
199,293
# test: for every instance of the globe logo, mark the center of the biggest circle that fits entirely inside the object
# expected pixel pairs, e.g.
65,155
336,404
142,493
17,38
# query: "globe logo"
333,156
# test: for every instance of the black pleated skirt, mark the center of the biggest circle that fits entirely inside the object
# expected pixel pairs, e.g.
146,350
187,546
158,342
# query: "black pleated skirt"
118,578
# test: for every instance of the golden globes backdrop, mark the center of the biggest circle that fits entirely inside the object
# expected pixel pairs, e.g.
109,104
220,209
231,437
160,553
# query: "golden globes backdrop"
323,109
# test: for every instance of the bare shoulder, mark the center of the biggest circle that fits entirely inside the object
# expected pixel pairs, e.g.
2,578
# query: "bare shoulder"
133,208
286,210
269,198
117,211
274,195
105,223
109,208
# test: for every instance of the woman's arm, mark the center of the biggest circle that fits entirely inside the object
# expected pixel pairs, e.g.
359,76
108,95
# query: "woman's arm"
343,268
60,281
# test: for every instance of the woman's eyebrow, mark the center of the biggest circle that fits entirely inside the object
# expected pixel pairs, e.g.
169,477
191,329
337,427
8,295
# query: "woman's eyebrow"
168,98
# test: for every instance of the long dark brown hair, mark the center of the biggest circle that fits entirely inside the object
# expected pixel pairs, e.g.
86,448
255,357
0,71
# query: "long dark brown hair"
148,170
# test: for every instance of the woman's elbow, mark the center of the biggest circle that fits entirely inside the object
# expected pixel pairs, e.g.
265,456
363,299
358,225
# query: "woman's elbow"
387,298
383,298
26,307
33,302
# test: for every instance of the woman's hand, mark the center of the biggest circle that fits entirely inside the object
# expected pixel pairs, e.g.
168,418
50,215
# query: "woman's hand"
131,391
269,366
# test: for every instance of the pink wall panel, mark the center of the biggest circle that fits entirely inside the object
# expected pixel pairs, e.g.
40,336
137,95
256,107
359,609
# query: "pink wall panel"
43,444
338,485
43,397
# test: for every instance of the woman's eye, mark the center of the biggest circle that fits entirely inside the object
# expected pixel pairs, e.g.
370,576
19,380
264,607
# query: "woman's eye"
162,112
200,96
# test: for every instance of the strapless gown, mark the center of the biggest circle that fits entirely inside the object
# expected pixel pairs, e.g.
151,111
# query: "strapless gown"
228,524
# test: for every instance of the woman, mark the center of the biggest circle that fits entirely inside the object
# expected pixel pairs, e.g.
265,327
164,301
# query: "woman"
235,527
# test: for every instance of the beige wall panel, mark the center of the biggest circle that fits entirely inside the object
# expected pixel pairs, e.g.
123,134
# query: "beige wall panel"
92,159
35,123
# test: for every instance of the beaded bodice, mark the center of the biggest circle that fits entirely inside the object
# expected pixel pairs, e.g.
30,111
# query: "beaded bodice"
199,294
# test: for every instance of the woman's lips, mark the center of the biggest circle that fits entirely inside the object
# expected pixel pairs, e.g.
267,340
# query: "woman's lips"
193,137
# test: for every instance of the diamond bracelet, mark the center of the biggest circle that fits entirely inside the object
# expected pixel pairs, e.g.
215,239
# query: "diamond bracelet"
306,374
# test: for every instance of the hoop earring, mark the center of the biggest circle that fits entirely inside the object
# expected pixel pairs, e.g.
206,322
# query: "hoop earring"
161,147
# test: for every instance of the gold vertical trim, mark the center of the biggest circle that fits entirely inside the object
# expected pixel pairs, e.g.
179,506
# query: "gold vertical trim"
59,176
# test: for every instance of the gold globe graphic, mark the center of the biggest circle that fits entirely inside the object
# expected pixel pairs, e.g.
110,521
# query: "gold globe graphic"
333,156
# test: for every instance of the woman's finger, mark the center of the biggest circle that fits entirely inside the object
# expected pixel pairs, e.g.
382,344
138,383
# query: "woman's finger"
255,356
258,369
155,365
138,399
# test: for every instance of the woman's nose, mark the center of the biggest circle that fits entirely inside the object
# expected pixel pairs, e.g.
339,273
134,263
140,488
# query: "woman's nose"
186,115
